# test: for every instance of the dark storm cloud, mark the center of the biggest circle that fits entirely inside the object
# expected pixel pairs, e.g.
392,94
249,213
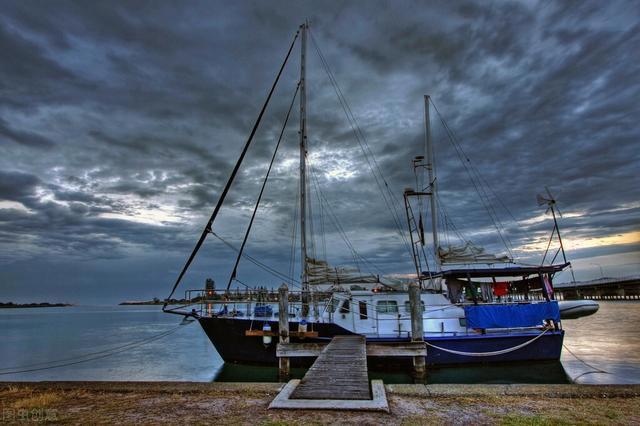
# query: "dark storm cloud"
29,62
120,122
22,137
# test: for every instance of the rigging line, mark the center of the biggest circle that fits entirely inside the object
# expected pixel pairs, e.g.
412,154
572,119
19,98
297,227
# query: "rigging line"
460,151
387,196
256,262
244,284
361,139
462,156
322,232
450,227
208,227
508,241
452,224
443,222
388,200
309,211
480,176
294,233
332,215
348,111
264,184
419,184
367,156
364,146
334,219
553,231
103,354
495,194
486,202
481,181
556,255
342,234
322,207
424,254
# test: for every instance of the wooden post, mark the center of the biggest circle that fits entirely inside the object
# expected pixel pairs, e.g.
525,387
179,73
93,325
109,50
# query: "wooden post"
283,326
249,293
316,310
417,333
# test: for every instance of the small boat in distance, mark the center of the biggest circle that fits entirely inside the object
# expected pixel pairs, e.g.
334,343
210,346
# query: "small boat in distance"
497,312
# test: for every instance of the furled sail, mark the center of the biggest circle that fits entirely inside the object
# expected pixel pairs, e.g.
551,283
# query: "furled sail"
469,253
320,272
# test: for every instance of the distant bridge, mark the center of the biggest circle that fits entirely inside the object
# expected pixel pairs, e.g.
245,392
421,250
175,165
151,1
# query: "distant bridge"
622,288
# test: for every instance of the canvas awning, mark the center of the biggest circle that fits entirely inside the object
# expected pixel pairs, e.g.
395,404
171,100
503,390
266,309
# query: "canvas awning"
511,271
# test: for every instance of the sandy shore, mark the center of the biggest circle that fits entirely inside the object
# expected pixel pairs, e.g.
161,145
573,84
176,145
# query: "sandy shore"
246,403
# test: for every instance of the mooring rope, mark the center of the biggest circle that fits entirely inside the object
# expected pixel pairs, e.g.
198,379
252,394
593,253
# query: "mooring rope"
494,353
594,369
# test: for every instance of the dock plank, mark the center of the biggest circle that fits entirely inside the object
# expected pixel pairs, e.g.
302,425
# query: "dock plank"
339,373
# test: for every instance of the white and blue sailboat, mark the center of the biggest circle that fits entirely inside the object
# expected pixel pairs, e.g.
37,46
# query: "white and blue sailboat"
468,314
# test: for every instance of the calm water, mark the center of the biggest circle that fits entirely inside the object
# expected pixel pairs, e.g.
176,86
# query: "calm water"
608,341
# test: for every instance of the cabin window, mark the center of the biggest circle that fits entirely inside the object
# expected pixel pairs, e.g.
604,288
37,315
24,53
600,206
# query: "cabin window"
407,306
387,307
463,322
345,307
363,310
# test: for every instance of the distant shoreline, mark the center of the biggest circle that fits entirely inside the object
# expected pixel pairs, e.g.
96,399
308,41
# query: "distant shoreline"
11,305
153,302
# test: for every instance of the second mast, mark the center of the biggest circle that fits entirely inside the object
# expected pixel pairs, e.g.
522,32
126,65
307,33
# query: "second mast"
303,173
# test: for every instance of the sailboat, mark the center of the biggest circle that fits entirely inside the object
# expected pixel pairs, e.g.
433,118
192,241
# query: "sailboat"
469,313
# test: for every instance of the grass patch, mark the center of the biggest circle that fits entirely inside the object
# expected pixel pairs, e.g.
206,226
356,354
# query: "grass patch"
41,400
419,420
532,420
12,390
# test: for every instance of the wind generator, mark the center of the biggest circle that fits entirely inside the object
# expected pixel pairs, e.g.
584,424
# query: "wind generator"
551,202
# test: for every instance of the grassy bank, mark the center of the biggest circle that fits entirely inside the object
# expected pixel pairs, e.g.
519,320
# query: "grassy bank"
246,403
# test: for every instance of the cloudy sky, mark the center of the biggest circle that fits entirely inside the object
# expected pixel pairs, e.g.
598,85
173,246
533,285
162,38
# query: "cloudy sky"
121,121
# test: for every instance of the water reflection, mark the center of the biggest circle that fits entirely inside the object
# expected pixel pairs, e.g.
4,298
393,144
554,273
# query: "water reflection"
607,341
539,373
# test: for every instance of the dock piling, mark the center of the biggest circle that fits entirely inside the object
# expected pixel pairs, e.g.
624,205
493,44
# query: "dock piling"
283,326
417,333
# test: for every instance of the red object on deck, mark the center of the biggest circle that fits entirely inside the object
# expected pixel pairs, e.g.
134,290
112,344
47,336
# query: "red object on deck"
500,288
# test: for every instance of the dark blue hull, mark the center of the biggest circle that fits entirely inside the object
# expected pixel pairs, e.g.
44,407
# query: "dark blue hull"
228,337
547,347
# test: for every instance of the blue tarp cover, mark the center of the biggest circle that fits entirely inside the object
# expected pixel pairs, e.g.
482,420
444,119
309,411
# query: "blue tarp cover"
504,316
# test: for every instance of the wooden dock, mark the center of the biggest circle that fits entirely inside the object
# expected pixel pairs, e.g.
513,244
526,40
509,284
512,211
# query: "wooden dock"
339,373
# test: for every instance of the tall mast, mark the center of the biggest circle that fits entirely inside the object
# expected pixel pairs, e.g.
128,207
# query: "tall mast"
431,168
303,173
